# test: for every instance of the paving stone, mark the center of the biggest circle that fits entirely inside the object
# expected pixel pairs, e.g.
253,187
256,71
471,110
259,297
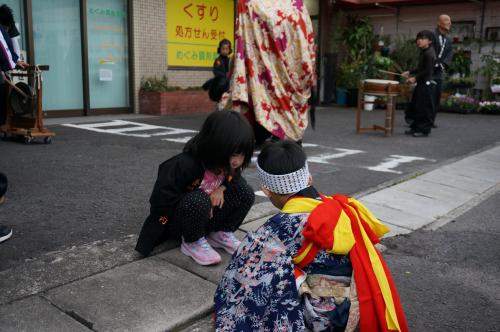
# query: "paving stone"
211,273
409,203
491,155
476,169
36,314
452,179
453,196
396,217
147,295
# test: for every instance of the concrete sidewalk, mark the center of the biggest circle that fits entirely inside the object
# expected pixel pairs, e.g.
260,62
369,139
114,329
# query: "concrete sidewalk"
168,290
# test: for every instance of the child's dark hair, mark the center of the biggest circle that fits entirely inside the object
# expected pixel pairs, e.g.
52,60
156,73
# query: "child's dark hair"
223,133
224,42
6,16
282,157
425,34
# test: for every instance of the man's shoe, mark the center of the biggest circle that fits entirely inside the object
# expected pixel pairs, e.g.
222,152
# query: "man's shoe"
419,134
409,132
201,252
224,240
434,125
5,233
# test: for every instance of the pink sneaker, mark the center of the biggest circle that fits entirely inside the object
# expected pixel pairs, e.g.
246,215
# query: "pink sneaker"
224,240
201,252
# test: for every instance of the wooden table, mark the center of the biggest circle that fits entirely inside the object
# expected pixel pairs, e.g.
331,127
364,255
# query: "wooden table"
380,88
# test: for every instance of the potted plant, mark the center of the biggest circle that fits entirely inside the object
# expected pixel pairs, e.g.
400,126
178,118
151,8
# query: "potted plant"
349,76
405,53
495,85
489,107
462,82
156,97
460,104
358,39
491,70
460,63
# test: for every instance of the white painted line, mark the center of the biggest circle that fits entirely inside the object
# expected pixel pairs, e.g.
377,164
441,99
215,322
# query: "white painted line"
309,145
172,131
97,124
325,157
143,127
131,126
392,162
178,140
260,193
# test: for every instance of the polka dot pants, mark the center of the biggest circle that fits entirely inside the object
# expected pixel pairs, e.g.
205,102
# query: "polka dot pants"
191,216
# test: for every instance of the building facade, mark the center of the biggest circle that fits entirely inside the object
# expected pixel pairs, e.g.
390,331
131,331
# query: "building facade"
100,50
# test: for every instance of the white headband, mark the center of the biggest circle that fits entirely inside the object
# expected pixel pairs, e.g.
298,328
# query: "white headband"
285,183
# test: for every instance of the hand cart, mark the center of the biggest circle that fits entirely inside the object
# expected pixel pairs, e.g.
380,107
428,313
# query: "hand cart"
24,106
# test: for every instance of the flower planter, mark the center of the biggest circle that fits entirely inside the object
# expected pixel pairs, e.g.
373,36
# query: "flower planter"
174,102
489,107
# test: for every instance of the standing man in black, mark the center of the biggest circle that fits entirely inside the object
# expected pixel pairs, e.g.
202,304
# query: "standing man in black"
444,53
422,102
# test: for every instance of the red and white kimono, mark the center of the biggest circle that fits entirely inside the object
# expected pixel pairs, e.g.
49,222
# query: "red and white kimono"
274,65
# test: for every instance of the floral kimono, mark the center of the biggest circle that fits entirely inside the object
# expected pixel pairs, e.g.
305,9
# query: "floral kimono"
274,65
273,280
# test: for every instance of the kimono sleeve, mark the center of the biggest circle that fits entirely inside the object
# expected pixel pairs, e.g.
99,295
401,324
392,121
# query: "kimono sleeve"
258,291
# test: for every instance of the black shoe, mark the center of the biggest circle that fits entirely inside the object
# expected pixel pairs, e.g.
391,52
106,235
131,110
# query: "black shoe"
409,132
434,125
5,233
419,134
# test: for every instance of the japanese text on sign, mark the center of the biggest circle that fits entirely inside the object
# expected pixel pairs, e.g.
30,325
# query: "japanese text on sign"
194,29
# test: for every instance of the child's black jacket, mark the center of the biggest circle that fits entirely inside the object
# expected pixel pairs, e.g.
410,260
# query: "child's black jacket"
177,176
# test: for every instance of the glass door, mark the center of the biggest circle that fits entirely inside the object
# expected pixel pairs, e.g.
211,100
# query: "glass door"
57,41
107,53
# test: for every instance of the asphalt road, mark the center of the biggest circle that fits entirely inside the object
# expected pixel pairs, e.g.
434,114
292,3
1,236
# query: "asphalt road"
94,185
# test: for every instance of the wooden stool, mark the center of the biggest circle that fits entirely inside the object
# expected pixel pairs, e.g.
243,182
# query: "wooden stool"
382,88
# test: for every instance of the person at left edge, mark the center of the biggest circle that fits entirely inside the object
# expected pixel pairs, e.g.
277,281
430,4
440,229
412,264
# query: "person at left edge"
8,61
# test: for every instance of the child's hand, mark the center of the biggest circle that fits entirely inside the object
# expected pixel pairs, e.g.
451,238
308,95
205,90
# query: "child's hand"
217,197
405,74
411,80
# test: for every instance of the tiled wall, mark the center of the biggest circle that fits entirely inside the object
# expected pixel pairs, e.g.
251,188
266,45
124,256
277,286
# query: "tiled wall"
150,48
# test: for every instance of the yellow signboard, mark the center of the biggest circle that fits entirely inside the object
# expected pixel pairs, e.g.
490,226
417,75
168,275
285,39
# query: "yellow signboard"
194,29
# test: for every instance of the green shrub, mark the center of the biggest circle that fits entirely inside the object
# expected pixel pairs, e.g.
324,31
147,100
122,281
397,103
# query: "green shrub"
154,84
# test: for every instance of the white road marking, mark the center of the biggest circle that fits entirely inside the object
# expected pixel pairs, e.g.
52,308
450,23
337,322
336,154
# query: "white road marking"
130,127
392,162
260,193
143,130
178,140
325,157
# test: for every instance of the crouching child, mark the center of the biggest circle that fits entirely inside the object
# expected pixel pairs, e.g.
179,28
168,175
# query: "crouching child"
311,267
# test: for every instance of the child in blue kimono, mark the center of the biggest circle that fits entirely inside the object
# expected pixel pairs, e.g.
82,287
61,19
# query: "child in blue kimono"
311,267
